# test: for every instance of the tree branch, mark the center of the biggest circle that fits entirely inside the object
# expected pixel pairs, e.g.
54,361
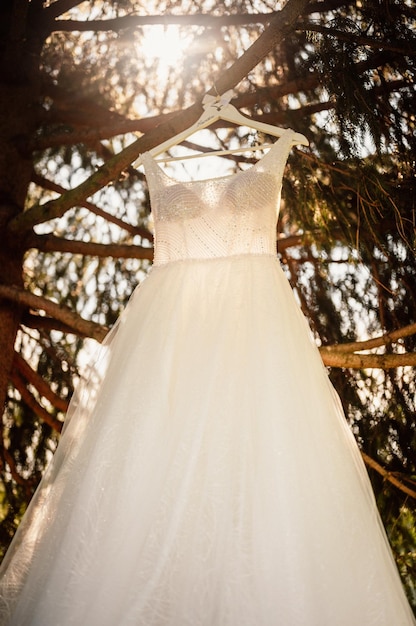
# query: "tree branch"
134,230
359,40
279,27
370,361
60,7
118,125
8,458
290,241
90,136
389,476
130,22
28,399
385,340
78,325
50,243
33,378
72,107
345,355
43,322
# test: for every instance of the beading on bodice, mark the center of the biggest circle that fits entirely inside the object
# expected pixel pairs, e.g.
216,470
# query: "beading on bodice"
221,217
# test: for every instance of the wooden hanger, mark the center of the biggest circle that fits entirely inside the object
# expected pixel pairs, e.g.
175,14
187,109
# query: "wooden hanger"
219,108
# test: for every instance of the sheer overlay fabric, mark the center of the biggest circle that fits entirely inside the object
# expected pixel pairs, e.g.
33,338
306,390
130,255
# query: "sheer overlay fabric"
206,475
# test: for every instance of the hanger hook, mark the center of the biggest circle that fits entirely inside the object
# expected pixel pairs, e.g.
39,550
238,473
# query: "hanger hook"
218,101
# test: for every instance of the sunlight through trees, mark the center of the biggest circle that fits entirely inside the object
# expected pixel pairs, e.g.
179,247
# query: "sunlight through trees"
88,86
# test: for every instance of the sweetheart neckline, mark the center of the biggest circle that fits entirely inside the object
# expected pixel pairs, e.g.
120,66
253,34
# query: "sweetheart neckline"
219,178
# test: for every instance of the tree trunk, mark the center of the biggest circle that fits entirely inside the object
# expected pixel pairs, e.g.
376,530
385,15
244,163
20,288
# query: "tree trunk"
19,101
10,313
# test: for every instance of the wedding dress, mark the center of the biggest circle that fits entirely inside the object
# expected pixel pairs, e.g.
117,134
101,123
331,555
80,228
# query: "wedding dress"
206,475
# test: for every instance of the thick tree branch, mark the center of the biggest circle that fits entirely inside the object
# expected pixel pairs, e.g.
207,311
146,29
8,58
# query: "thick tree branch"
78,325
43,322
389,476
130,22
279,27
290,241
370,361
198,19
50,243
90,136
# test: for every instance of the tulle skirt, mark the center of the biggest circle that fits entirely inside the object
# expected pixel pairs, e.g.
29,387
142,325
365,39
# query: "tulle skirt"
206,475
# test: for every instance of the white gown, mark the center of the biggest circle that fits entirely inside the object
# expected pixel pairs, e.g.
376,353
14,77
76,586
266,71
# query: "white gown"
206,475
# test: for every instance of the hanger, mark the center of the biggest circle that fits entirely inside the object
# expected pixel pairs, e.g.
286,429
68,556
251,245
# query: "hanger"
201,155
219,108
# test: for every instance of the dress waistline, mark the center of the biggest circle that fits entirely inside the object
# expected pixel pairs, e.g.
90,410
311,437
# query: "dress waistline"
213,259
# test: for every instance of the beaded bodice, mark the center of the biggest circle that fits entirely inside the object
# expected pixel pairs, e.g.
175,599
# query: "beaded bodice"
222,217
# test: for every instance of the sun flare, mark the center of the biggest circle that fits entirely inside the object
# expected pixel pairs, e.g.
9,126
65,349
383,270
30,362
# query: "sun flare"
166,45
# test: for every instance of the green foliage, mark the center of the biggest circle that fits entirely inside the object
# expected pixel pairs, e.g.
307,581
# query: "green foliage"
345,78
